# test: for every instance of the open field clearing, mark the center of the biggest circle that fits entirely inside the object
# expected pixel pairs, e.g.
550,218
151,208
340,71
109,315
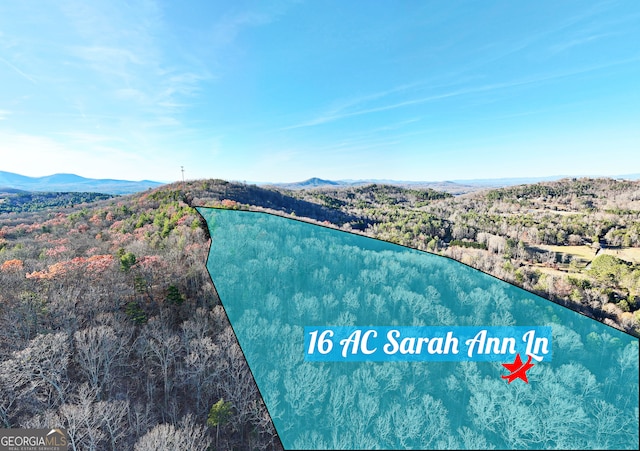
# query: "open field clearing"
587,253
629,254
562,271
582,252
549,211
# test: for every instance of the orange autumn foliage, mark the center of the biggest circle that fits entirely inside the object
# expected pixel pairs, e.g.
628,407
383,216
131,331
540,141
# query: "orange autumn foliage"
93,264
230,203
12,265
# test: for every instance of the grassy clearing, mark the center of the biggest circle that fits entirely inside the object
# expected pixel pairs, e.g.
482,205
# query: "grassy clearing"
586,253
550,271
630,254
553,212
582,252
562,271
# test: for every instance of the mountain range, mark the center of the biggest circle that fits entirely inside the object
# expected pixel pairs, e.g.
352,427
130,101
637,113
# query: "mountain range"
75,183
446,186
452,187
72,183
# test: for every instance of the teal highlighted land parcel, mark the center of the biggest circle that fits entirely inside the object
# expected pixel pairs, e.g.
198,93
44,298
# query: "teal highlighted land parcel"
281,280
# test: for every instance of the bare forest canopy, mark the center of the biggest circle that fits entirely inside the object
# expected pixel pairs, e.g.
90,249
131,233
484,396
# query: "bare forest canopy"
142,349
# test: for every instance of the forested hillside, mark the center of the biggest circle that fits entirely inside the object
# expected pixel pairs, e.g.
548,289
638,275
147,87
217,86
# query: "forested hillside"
110,325
575,241
16,201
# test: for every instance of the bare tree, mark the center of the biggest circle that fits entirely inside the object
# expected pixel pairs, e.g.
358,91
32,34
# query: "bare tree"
112,416
80,422
202,366
188,436
40,370
407,423
608,425
98,351
305,387
161,348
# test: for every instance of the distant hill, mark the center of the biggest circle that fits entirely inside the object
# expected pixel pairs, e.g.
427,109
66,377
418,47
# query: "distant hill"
18,201
455,187
512,181
628,177
72,183
315,182
7,190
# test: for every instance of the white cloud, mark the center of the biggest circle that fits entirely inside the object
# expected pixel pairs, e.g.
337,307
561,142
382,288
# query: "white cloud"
339,114
18,71
83,154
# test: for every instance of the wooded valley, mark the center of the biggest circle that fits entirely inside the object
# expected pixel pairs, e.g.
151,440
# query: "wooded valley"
110,325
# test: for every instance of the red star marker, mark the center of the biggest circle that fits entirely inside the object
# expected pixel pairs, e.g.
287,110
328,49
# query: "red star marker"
518,369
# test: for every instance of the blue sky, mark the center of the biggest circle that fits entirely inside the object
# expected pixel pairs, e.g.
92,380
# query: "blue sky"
287,90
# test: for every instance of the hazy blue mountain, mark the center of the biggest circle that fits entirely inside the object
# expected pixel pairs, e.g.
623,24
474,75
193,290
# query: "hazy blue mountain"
73,183
511,181
7,190
460,186
315,182
628,177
